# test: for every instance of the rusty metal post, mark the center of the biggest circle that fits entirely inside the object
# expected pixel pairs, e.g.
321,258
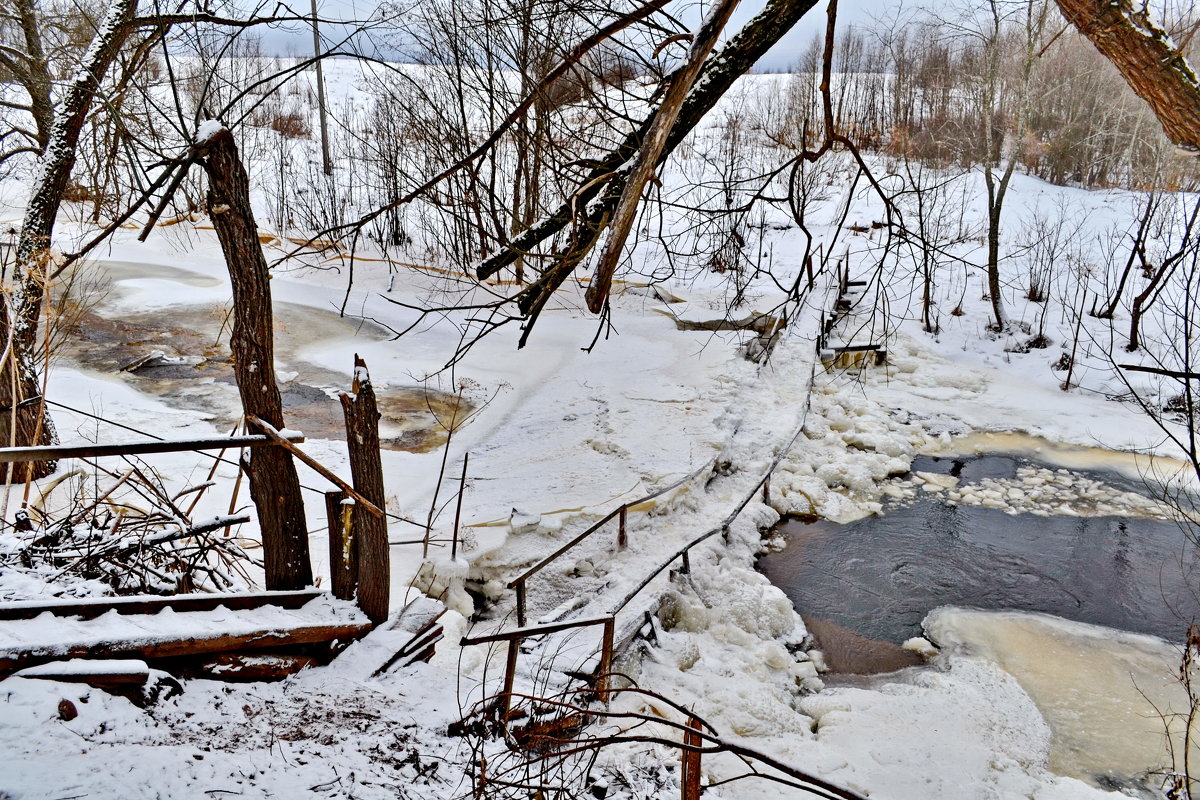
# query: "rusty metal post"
462,486
520,587
622,539
481,783
603,679
510,674
689,780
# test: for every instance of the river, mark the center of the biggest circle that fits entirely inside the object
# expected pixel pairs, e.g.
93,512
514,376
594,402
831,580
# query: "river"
1086,609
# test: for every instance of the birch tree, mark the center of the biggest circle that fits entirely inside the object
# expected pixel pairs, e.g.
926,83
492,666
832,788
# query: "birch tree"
58,126
58,111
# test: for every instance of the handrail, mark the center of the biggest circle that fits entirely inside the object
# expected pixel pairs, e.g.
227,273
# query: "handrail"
516,635
518,583
533,630
729,519
624,506
17,455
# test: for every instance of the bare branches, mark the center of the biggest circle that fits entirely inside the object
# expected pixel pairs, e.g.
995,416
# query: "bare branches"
554,741
652,146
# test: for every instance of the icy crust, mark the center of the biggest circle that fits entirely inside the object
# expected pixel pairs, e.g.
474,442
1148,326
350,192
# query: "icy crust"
850,446
1102,691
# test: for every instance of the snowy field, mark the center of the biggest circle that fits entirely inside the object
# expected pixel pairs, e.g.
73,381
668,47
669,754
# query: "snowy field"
561,437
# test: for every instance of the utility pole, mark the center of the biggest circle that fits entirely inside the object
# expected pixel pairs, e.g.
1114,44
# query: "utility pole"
327,162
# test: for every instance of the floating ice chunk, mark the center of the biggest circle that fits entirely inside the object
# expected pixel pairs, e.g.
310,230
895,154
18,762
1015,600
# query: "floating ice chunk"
521,521
921,646
939,479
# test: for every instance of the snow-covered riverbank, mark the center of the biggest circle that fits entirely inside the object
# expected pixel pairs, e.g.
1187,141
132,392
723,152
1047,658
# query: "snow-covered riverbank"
565,432
581,432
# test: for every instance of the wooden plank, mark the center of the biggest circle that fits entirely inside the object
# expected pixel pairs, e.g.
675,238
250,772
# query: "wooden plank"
12,660
690,779
15,455
92,608
121,673
510,674
604,668
277,438
246,667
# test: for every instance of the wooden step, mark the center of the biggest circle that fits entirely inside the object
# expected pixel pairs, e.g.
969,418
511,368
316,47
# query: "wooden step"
173,634
90,608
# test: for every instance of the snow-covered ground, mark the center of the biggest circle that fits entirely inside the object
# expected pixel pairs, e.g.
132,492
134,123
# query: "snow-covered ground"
563,436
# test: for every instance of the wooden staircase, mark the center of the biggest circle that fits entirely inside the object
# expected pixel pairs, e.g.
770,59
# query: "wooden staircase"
190,635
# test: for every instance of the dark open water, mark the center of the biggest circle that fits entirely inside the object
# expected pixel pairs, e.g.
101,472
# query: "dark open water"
879,577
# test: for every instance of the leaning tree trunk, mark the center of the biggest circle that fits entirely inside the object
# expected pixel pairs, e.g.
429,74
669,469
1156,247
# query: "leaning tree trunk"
274,486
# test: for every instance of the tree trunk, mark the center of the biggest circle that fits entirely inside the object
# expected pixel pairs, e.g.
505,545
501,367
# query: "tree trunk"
274,486
995,206
370,532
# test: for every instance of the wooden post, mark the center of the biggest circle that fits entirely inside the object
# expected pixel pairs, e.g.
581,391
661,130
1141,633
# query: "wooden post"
366,468
767,490
622,539
510,675
274,485
520,587
687,564
343,560
603,679
690,779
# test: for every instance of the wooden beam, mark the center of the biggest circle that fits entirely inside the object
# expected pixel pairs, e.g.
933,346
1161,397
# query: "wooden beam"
13,455
533,630
13,660
689,782
92,608
277,438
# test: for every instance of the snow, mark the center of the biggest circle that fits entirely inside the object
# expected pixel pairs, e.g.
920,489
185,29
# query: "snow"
563,437
208,130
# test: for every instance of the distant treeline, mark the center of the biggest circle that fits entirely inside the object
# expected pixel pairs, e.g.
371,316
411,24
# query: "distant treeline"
921,91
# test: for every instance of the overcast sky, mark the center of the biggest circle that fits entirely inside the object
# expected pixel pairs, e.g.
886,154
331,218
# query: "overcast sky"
298,40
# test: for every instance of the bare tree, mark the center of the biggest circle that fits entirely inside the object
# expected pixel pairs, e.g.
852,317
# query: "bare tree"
59,119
